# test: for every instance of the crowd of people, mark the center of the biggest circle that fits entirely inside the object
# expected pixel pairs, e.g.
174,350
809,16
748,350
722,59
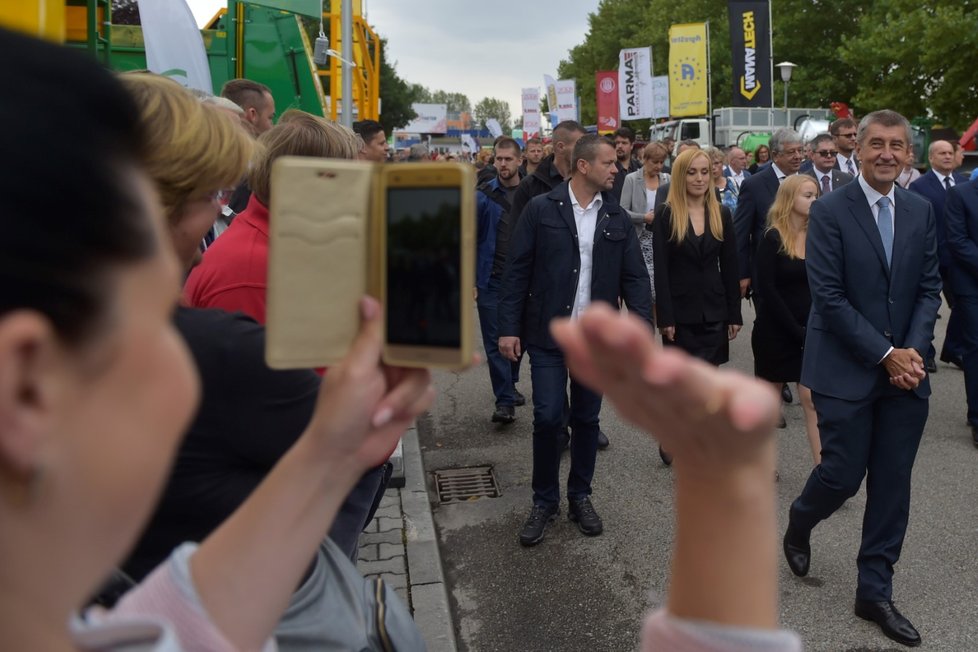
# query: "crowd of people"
143,438
840,248
144,441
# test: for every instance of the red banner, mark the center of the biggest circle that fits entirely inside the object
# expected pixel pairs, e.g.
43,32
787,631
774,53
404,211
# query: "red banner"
606,92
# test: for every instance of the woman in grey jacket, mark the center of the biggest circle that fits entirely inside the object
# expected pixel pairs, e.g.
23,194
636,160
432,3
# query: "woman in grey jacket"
638,198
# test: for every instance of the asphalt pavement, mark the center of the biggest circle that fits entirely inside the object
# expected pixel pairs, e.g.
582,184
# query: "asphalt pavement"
573,592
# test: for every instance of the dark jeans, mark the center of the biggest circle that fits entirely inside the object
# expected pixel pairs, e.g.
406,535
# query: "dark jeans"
876,437
503,374
358,509
966,307
549,376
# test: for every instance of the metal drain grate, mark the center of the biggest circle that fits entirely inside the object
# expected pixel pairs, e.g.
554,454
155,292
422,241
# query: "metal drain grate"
470,483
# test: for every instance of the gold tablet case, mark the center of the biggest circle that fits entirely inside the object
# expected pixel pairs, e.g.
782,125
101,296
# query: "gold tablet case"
327,249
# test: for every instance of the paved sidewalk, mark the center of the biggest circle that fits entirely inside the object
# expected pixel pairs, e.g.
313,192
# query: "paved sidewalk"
400,546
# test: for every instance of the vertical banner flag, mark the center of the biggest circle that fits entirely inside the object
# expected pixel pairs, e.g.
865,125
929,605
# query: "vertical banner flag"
687,70
495,129
660,97
550,86
531,112
750,45
174,47
566,100
635,83
606,92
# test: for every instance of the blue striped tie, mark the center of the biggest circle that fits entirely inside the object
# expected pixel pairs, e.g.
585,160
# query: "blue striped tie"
885,224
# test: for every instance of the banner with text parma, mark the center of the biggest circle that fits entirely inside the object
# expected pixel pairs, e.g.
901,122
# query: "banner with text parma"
635,83
687,70
750,46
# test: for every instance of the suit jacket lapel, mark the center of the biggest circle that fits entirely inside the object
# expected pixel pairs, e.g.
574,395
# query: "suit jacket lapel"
902,225
859,207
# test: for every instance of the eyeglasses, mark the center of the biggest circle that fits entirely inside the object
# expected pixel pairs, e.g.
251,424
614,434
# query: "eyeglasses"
826,152
849,135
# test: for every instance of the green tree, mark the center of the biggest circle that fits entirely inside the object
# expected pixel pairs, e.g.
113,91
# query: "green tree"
456,102
918,59
491,107
396,95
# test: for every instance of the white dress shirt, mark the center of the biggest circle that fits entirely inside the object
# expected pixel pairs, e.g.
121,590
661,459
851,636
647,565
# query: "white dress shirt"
586,219
781,175
843,160
942,177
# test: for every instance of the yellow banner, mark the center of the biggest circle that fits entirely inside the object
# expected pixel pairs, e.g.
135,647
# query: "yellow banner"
687,70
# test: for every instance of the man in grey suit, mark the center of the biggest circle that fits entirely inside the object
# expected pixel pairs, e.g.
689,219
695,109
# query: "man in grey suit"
872,267
823,168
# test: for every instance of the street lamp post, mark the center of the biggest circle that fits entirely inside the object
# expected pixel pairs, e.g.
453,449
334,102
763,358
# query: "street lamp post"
786,67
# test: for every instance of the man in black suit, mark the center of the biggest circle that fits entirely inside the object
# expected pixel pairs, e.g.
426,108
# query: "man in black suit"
572,246
823,171
872,268
961,222
934,186
757,194
843,133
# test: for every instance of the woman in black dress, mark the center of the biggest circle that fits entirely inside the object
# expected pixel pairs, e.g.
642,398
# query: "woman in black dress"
782,298
695,254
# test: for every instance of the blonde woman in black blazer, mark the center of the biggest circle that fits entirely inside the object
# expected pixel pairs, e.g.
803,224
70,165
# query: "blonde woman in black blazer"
696,274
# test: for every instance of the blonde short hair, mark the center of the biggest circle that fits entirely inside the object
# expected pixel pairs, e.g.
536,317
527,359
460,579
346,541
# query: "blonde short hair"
192,148
299,134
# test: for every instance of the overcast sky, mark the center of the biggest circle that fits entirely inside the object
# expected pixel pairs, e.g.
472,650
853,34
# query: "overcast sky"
454,46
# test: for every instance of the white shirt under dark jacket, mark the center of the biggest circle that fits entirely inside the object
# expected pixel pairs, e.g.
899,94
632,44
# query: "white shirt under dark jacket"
586,219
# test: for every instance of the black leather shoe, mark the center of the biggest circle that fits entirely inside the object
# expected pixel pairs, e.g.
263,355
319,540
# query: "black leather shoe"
518,399
603,442
786,394
504,414
892,623
930,366
974,435
536,524
798,551
582,512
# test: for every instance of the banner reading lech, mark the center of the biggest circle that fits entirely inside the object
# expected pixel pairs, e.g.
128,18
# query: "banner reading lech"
688,70
750,45
606,93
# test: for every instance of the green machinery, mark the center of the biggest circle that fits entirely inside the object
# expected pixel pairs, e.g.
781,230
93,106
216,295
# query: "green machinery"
267,41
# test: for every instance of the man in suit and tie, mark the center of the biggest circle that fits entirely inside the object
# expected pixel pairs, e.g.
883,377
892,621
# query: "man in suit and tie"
736,169
823,170
843,133
961,223
934,186
872,268
757,194
572,246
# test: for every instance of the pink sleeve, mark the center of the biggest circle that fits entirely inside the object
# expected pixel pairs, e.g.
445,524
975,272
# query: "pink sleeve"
168,594
665,632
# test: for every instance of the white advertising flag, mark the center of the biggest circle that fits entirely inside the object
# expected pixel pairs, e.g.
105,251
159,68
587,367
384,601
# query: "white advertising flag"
431,119
494,127
635,83
174,47
566,100
660,97
531,112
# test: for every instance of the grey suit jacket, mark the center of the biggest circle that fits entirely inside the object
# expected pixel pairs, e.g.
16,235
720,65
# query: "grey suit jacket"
838,177
633,198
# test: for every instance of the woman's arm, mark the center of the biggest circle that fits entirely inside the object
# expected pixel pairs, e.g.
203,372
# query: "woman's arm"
247,569
634,210
661,246
718,425
730,268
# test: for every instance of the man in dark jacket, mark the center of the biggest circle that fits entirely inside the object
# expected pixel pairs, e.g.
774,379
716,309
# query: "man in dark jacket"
493,201
571,247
